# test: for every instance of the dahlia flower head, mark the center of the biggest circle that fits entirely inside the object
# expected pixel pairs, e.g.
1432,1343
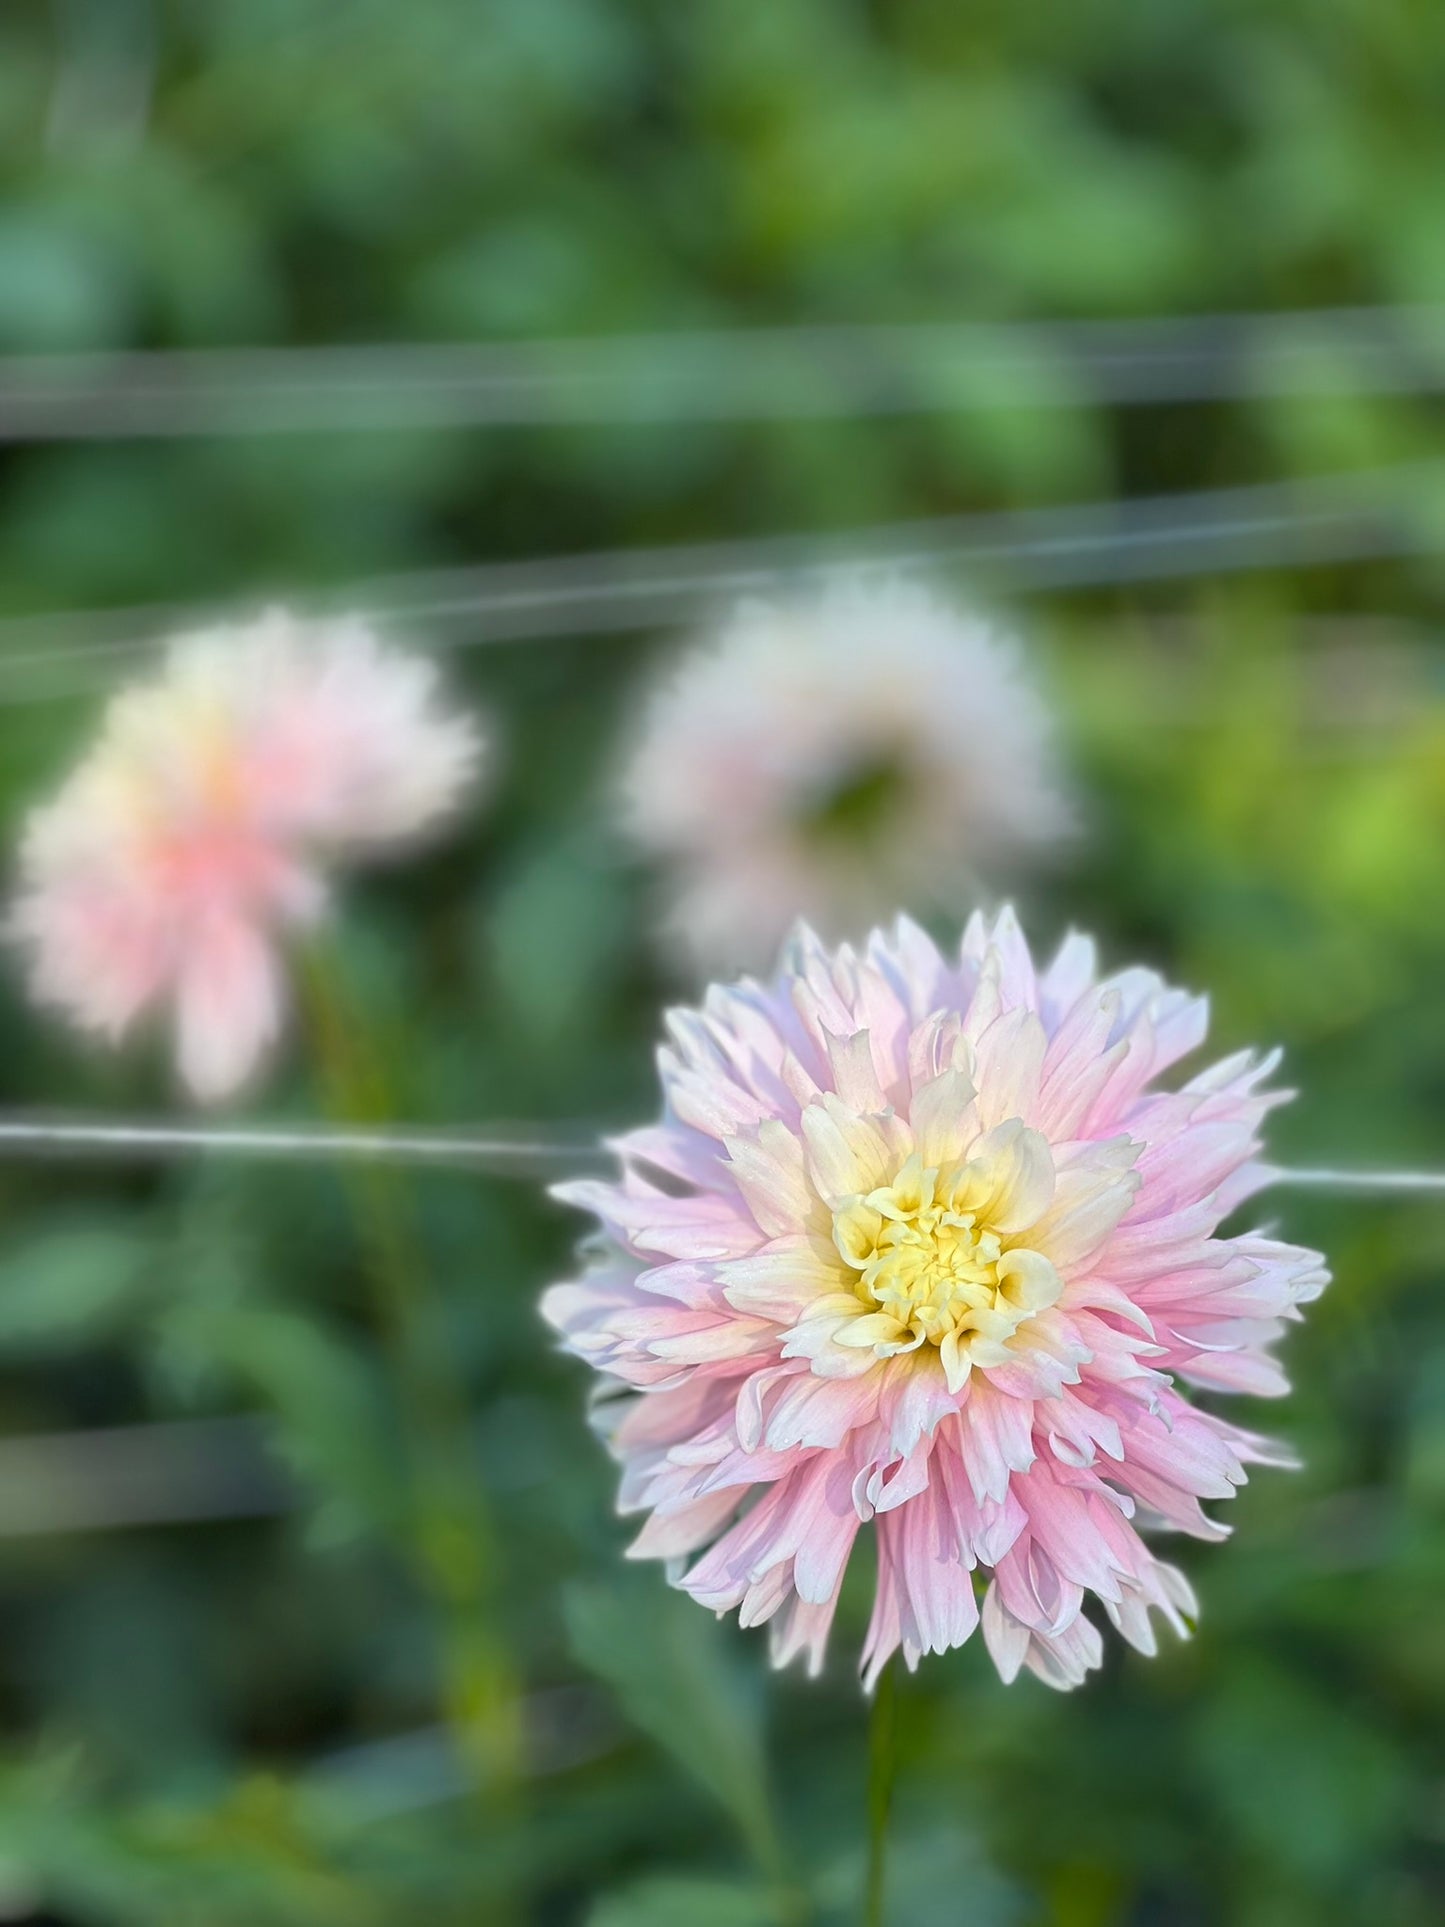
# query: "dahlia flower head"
201,825
813,752
919,1245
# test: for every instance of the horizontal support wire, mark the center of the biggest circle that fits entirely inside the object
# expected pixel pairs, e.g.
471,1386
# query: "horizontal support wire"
507,1149
1354,516
164,1472
194,1471
214,1470
1326,1178
190,1471
744,373
496,1149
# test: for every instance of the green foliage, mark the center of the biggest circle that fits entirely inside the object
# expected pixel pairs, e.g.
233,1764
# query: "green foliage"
671,1668
661,1902
72,1284
399,1672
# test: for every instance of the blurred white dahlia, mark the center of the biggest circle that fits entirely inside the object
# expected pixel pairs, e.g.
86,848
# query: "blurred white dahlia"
834,757
921,1248
202,821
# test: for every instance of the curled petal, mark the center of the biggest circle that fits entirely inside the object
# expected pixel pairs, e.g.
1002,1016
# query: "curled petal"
945,1287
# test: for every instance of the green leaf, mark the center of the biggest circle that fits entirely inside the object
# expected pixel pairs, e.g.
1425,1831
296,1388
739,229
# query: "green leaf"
335,1426
71,1284
931,1865
668,1902
556,933
669,1663
1337,1788
929,1870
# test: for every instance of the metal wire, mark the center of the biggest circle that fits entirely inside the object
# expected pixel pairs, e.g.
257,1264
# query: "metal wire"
722,374
509,1149
177,1472
1354,516
494,1148
1328,1178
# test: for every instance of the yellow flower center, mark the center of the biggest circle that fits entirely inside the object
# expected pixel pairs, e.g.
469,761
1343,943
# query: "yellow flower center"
931,1269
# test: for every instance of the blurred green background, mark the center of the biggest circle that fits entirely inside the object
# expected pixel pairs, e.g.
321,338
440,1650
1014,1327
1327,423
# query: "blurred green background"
390,1562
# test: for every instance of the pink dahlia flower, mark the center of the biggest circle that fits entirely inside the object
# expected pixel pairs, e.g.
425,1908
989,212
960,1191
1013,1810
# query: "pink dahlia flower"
812,748
201,823
918,1244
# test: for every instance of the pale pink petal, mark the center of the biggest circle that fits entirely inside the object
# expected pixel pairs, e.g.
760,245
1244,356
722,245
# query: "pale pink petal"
228,1006
191,838
929,1256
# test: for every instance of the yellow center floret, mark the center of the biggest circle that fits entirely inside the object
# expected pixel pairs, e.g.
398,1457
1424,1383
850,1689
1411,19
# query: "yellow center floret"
932,1269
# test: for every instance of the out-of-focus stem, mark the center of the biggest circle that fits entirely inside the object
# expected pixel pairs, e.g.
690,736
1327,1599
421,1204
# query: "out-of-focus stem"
791,1904
882,1766
454,1545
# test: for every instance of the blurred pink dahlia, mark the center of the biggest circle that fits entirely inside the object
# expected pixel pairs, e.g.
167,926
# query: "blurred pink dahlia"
917,1243
816,753
200,823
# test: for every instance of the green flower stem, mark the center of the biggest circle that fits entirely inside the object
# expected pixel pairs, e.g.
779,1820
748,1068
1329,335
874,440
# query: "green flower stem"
882,1767
453,1545
791,1904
